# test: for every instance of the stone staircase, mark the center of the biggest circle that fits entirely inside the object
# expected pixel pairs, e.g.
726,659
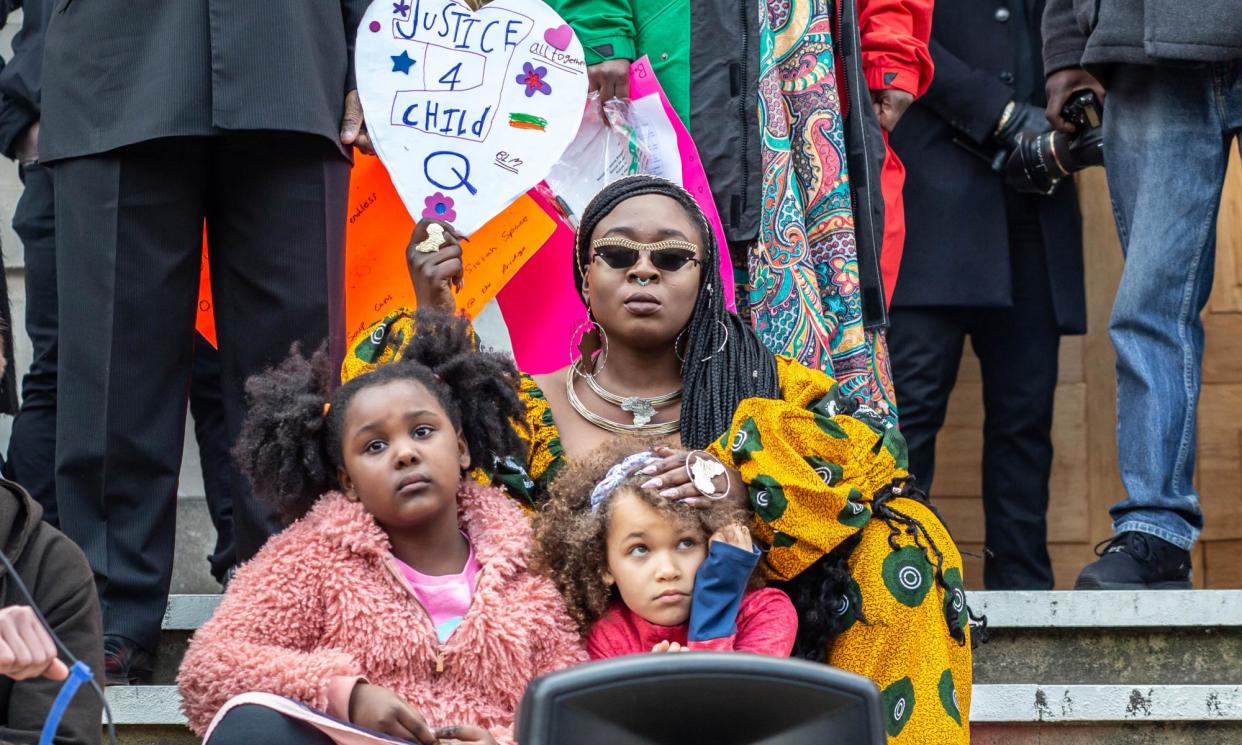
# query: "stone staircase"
1061,668
1109,667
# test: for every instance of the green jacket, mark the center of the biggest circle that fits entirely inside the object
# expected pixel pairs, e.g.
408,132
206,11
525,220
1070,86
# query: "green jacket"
628,29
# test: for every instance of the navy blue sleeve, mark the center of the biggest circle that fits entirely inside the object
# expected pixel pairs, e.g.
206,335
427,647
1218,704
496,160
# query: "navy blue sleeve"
718,589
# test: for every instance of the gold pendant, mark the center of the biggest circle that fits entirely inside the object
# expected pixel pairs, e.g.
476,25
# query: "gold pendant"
641,408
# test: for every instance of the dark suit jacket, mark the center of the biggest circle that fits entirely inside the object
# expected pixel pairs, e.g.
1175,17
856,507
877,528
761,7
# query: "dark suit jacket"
19,78
125,71
957,245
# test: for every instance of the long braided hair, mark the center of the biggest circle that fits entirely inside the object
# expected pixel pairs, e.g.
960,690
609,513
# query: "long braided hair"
725,361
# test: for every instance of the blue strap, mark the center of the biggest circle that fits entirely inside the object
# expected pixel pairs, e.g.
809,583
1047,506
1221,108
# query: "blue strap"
718,589
78,674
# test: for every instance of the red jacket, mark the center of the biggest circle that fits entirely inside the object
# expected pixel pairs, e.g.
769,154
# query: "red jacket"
894,35
766,624
322,605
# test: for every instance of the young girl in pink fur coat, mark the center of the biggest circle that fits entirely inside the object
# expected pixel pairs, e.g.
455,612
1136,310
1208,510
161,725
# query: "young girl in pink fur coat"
400,600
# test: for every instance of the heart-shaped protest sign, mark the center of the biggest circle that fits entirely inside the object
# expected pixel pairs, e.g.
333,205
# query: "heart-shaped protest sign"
468,109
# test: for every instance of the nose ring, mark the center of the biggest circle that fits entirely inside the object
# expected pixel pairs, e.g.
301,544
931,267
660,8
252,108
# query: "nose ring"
643,282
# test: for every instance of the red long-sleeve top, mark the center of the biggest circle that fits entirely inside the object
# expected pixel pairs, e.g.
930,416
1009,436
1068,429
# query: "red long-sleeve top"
766,624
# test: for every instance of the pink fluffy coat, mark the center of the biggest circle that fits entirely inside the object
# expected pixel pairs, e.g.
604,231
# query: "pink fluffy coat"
323,600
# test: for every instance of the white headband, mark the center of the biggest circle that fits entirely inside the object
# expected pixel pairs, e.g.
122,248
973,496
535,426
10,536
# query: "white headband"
617,474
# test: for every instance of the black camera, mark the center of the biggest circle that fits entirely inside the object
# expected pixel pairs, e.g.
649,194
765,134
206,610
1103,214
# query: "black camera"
1039,163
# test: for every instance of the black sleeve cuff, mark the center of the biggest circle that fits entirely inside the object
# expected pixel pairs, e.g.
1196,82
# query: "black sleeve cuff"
15,119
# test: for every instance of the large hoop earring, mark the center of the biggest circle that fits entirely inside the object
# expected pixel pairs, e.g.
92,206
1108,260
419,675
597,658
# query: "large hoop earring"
723,344
579,341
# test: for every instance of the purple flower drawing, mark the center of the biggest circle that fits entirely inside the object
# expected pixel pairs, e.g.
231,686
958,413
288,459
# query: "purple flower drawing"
533,78
439,207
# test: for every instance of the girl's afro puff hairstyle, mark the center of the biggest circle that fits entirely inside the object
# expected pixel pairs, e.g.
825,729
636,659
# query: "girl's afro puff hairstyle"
290,448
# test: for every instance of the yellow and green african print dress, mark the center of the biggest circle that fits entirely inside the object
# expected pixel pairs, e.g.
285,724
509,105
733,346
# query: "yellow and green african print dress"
814,474
817,476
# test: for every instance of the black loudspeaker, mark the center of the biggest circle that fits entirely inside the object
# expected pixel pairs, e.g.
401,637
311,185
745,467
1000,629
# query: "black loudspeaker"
701,697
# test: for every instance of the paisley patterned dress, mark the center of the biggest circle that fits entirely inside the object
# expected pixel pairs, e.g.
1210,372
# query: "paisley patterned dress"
805,299
816,466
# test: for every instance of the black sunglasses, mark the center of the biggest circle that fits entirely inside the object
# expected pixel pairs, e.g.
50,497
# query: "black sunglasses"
622,253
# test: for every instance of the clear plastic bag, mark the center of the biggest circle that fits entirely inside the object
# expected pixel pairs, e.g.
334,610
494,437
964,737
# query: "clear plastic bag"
609,145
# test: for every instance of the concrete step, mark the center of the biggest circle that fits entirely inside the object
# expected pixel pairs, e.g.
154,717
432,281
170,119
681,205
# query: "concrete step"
196,538
1104,638
1061,667
1110,638
999,713
991,703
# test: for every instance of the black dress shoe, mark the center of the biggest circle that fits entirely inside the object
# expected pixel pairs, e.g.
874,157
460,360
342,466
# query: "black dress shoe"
125,663
1137,561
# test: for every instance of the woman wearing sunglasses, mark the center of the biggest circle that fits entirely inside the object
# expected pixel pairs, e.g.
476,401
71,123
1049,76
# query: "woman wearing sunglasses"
875,576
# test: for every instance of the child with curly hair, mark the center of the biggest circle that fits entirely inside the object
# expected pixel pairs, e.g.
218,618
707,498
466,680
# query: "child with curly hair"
400,599
644,573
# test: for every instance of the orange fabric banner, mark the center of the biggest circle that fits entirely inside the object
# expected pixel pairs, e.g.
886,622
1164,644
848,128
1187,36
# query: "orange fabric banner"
205,324
378,229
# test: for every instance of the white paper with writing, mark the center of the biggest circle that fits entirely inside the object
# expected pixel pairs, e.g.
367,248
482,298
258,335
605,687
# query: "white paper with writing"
468,109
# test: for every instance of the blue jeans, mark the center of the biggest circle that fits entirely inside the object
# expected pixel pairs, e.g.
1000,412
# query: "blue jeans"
1167,132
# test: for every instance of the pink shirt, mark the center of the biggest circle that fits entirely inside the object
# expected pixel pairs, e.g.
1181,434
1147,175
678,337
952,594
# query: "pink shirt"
447,597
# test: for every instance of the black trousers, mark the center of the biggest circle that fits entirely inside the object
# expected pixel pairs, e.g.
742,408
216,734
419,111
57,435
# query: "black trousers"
32,443
211,433
250,724
129,226
31,459
1017,349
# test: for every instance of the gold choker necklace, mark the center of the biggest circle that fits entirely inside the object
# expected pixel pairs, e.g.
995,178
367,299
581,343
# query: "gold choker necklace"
644,430
642,407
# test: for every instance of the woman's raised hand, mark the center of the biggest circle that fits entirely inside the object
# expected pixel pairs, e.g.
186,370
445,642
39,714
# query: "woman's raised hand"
381,710
435,270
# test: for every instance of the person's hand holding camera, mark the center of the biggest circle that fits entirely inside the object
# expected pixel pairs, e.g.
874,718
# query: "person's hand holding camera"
1060,86
1039,163
1018,120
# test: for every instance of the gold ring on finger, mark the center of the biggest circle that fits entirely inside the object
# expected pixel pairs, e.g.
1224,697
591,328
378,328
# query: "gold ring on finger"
434,240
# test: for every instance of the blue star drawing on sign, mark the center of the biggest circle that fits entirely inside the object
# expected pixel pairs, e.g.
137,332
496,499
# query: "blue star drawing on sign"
400,8
402,63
